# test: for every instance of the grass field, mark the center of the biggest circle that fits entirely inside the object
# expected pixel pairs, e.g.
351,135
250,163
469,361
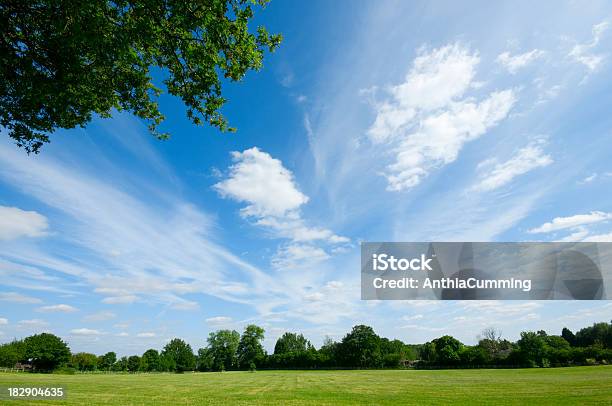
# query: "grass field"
578,385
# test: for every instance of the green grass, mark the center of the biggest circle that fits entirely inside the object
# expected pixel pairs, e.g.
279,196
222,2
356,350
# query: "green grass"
578,385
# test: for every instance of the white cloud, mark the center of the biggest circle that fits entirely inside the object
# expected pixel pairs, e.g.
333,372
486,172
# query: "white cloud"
274,200
562,223
3,321
59,308
102,212
33,323
414,317
425,121
588,179
15,297
124,299
578,235
523,161
436,78
263,182
145,335
15,223
100,316
599,238
85,332
583,54
442,135
122,334
294,256
514,63
219,320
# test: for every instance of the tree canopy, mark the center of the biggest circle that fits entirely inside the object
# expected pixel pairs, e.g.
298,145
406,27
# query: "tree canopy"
291,342
250,350
223,345
46,351
64,61
181,354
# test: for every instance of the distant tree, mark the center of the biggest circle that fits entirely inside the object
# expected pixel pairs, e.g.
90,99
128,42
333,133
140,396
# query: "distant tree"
532,348
328,353
448,350
393,352
46,351
181,353
473,356
250,350
106,361
84,361
491,334
598,333
205,360
291,342
150,361
133,363
567,334
121,365
12,353
63,62
361,348
223,345
166,363
427,353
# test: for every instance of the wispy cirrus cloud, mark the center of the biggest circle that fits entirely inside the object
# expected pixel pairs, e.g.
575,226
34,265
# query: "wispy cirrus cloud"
497,174
577,220
15,223
584,52
15,297
513,63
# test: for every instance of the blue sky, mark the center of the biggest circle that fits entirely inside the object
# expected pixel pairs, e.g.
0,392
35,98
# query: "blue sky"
382,121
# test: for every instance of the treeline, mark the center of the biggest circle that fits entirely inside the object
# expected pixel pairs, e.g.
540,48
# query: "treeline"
360,348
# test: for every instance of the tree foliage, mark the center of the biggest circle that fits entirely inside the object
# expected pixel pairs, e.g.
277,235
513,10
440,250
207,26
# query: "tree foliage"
361,348
223,346
150,361
106,361
84,361
11,353
46,351
181,354
250,349
291,342
64,61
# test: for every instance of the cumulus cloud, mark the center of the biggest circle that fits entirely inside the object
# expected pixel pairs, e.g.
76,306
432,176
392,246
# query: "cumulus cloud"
273,200
59,308
145,335
3,321
523,161
15,297
85,332
562,223
514,63
15,223
426,122
583,53
263,183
